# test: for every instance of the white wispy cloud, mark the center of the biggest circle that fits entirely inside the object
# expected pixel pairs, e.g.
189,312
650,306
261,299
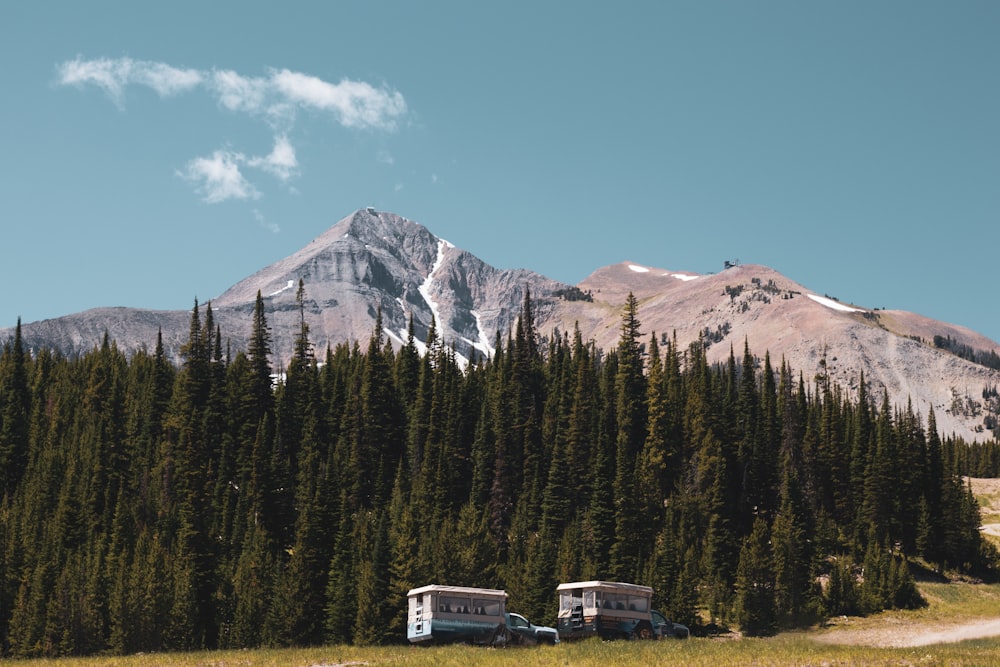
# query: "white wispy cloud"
219,177
277,97
239,93
113,75
281,162
354,104
166,80
263,222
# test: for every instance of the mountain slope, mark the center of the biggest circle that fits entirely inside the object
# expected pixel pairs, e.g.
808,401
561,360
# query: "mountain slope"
372,262
815,334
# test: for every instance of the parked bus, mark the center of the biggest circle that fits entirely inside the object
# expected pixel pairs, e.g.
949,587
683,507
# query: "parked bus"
447,614
607,609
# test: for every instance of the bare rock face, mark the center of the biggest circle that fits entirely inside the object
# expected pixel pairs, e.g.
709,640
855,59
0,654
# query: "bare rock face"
369,262
373,263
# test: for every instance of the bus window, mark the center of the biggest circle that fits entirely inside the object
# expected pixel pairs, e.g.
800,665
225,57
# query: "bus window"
638,603
455,605
485,607
491,607
567,601
614,601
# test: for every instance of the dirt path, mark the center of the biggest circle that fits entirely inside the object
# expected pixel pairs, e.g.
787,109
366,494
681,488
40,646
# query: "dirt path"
905,635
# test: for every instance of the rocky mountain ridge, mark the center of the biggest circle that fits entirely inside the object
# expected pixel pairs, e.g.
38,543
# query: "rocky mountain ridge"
816,335
372,261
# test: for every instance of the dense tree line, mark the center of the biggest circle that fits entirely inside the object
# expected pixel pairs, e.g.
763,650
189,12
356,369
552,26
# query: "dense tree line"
978,459
987,358
148,507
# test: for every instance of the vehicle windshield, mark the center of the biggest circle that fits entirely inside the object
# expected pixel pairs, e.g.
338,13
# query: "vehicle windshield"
518,621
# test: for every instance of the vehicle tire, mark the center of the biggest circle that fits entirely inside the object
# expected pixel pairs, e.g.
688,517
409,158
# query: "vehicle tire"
500,636
642,631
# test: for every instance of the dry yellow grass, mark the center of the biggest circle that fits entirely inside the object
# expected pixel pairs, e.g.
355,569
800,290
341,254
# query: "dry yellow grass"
778,651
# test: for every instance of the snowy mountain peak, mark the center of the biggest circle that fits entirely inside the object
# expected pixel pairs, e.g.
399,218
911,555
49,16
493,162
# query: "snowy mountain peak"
373,261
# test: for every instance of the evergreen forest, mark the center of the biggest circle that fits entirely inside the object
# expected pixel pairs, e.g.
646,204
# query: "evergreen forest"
224,501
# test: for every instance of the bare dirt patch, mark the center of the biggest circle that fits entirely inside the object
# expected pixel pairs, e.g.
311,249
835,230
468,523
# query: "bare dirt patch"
897,634
987,493
987,490
957,611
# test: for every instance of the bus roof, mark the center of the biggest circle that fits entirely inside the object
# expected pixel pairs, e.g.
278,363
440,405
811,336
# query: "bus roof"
458,590
606,586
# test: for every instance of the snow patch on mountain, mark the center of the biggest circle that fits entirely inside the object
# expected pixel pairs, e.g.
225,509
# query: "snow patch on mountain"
402,341
836,305
483,344
291,283
680,276
425,287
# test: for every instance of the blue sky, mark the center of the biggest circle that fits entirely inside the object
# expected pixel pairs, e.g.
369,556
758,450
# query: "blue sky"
154,153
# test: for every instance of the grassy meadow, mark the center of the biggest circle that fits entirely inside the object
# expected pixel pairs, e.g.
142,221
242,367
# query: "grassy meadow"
790,649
